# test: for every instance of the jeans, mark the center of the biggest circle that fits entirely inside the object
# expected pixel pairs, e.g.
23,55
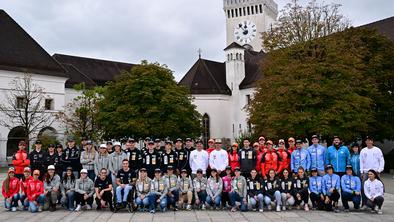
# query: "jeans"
92,175
68,199
126,190
152,202
253,201
215,201
234,197
186,198
106,197
13,203
277,196
378,201
40,201
142,202
202,196
287,201
346,197
24,201
174,199
52,196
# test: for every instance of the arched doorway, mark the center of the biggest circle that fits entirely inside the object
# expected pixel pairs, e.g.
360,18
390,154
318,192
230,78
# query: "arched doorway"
14,136
47,135
206,134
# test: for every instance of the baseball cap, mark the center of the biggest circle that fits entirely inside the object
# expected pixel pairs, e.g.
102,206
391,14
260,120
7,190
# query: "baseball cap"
281,141
109,143
131,140
151,142
27,169
235,144
147,138
199,171
198,141
51,167
261,138
188,139
89,142
84,171
183,171
298,141
117,144
59,146
329,166
170,167
157,140
256,144
11,169
315,137
211,141
178,140
169,142
143,169
38,142
69,168
218,140
103,146
314,169
157,170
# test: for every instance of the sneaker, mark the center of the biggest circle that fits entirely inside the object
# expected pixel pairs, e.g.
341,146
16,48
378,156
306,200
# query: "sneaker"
203,207
13,209
261,210
376,208
380,211
336,210
189,207
88,207
175,208
152,211
233,209
298,207
284,208
306,207
40,209
364,208
278,208
346,210
78,208
269,207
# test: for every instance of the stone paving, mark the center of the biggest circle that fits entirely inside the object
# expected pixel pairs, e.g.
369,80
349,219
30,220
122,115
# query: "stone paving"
201,216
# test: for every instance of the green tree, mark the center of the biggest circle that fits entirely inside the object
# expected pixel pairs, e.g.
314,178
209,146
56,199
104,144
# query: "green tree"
341,84
81,115
148,102
297,23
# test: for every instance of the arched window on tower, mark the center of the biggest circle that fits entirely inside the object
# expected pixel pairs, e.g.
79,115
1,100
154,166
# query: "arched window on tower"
232,13
236,56
261,8
236,12
244,9
256,9
252,9
228,57
248,10
240,11
206,134
228,13
231,56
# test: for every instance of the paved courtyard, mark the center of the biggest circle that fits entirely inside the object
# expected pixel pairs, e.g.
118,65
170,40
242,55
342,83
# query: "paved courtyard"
200,216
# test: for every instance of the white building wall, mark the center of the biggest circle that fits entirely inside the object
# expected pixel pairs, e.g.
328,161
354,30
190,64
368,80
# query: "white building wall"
53,87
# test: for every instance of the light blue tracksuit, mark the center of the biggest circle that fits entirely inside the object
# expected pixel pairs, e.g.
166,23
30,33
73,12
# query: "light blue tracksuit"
300,157
331,181
318,156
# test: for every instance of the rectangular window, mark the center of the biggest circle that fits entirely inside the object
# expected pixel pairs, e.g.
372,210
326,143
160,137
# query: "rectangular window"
232,13
256,9
233,128
228,13
244,9
236,12
247,99
20,102
49,104
240,11
261,8
252,9
248,10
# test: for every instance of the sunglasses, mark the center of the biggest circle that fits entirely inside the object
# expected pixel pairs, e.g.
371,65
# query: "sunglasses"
36,174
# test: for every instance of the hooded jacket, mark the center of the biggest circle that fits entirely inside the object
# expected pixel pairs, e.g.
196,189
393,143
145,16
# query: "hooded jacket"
338,157
14,186
214,188
34,189
20,160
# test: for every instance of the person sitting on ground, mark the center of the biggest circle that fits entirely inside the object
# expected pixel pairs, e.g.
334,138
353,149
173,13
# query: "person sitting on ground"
10,190
255,187
35,193
214,189
23,195
158,194
84,191
238,191
200,189
272,194
52,187
300,191
286,189
173,189
185,185
374,191
143,188
68,189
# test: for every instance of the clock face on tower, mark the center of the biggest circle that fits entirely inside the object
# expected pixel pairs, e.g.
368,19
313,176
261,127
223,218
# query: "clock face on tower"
245,32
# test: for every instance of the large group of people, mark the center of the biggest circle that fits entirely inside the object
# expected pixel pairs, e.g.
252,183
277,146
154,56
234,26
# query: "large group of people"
186,175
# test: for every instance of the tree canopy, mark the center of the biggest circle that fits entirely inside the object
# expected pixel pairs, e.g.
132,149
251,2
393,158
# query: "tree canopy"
341,84
147,101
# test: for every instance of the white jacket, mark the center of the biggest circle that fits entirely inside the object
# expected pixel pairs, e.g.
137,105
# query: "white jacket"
373,189
198,160
218,159
371,159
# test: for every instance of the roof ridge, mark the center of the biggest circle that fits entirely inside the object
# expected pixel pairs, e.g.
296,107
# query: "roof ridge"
90,58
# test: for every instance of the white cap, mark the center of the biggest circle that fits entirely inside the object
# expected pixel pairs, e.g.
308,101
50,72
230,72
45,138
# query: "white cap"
51,167
117,144
103,145
84,171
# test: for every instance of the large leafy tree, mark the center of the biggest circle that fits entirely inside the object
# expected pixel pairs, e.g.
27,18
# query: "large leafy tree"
148,102
341,84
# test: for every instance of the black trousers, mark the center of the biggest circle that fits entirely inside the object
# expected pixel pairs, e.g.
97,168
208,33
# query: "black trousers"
333,199
304,197
316,201
80,200
225,199
378,201
107,197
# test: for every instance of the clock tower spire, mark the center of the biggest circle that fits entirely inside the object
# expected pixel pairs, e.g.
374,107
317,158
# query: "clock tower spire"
247,19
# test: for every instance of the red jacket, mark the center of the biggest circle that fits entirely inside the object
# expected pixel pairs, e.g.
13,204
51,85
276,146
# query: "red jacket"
24,184
209,150
233,159
269,160
291,149
284,162
13,188
20,161
34,189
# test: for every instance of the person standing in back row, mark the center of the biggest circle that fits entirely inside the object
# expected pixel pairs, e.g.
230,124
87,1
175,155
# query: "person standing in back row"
218,159
247,158
371,158
71,157
338,156
317,153
38,158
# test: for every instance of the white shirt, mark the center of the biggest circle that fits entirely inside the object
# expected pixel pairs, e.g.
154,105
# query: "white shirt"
199,160
373,189
371,158
218,159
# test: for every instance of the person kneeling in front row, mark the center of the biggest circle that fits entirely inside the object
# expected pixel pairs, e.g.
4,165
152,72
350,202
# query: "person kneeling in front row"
238,191
143,188
84,190
158,193
10,190
351,189
35,193
374,191
103,188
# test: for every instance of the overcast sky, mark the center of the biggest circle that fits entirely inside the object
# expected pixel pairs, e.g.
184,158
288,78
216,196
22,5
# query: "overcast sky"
166,31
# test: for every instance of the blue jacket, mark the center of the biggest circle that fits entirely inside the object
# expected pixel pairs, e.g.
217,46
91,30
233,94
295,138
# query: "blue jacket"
316,184
329,182
350,183
355,162
338,158
300,158
318,156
